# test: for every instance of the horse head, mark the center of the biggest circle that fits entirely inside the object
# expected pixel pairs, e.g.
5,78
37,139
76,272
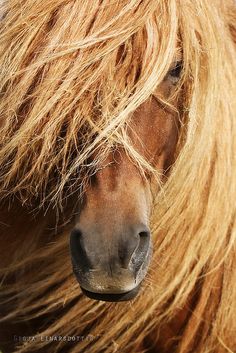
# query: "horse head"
111,242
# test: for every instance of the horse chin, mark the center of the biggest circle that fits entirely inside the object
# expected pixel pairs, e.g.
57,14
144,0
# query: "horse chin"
110,297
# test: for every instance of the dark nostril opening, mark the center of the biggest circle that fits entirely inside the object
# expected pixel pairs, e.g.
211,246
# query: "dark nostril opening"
141,250
144,239
78,252
144,234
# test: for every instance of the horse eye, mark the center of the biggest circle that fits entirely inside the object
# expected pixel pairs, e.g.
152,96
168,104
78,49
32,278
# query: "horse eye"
175,72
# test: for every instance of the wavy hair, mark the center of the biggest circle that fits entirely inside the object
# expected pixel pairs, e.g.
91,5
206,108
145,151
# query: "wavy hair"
72,73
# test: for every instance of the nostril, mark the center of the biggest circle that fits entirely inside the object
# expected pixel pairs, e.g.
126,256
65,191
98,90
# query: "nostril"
78,252
144,234
141,250
76,233
144,239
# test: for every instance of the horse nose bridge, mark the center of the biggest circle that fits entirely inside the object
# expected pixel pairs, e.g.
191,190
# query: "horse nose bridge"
114,173
115,199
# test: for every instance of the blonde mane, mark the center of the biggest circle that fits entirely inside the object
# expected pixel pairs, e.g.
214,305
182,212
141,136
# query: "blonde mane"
71,75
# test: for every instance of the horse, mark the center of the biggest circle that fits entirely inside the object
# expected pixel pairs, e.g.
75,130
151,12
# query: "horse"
117,177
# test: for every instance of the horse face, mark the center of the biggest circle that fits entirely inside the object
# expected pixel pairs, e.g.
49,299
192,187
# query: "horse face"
111,242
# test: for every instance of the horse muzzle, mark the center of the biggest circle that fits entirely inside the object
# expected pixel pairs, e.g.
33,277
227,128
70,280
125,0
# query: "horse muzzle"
110,270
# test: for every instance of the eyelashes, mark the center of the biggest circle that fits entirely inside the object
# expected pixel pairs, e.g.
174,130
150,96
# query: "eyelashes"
175,72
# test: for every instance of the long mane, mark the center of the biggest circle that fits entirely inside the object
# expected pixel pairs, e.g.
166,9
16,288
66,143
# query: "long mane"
72,73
